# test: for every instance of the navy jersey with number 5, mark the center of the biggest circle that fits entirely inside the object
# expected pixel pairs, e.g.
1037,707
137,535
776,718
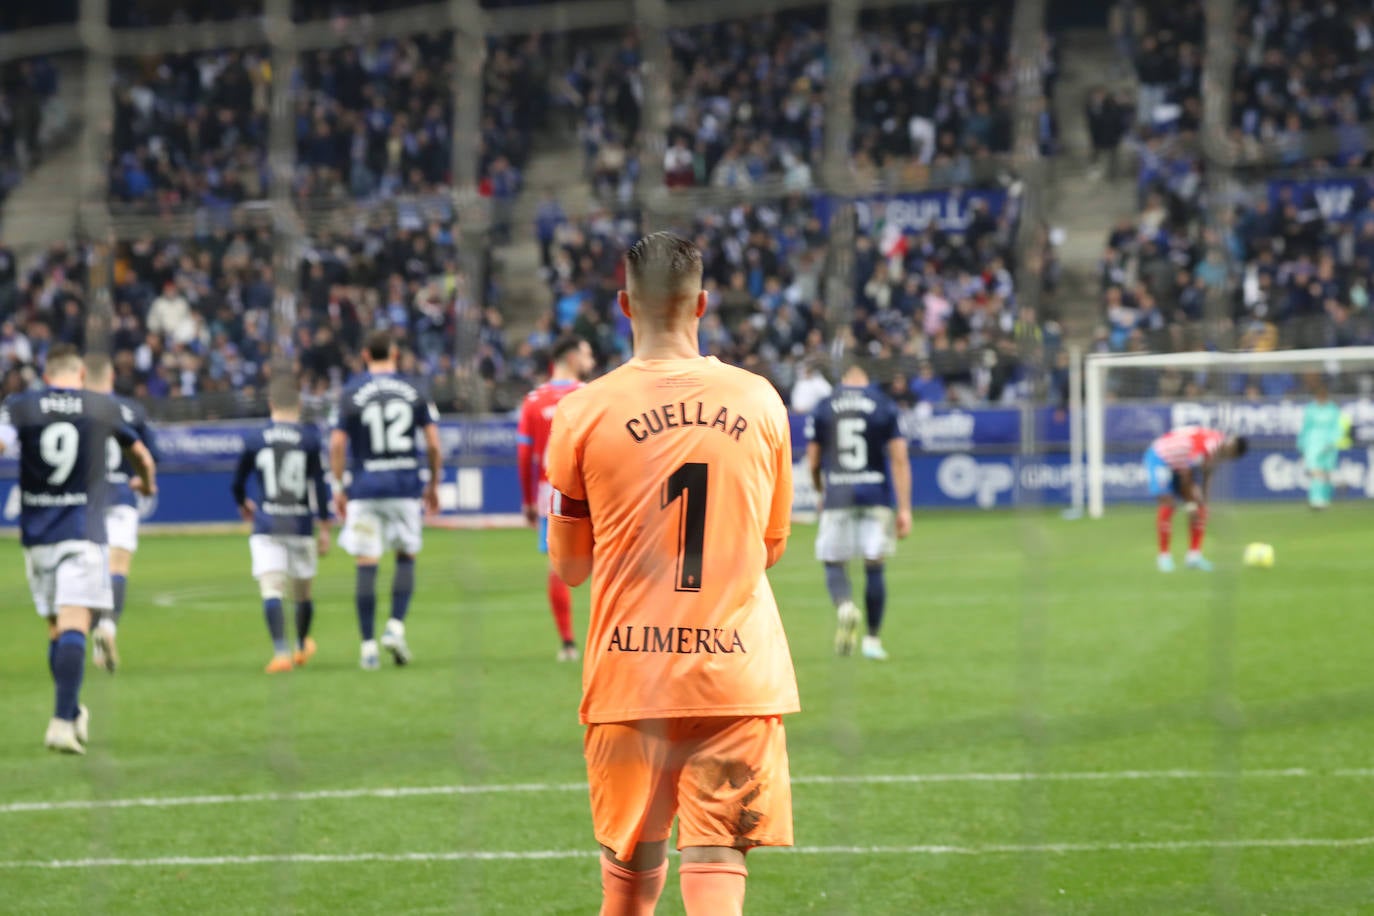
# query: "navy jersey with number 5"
62,435
853,428
120,471
284,461
384,417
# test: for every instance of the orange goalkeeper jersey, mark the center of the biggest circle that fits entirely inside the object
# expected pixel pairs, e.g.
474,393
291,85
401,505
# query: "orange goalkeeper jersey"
686,467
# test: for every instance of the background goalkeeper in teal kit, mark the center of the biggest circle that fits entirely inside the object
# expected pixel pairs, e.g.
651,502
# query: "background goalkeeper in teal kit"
1325,431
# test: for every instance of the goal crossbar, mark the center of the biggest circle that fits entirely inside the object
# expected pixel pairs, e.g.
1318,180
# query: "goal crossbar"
1096,366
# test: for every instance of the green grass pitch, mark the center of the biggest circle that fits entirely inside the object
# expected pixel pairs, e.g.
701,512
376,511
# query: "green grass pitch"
1020,643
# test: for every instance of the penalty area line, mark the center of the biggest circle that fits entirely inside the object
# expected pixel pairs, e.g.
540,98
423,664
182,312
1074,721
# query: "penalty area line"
531,788
550,854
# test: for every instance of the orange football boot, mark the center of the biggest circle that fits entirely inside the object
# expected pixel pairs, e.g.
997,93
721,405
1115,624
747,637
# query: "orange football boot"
305,653
278,664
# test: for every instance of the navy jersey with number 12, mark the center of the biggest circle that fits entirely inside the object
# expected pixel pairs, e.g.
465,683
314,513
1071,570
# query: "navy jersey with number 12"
384,417
62,435
853,428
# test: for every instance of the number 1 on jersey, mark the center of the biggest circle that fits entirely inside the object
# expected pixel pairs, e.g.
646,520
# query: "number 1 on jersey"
689,482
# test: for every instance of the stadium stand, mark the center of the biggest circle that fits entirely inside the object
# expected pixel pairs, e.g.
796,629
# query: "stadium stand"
372,121
190,130
931,102
935,308
194,326
1290,267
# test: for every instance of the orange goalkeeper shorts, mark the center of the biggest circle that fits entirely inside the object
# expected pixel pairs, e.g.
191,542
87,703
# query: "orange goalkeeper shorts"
725,779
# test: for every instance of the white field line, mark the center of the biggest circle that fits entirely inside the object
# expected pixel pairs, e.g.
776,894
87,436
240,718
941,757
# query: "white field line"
547,854
179,801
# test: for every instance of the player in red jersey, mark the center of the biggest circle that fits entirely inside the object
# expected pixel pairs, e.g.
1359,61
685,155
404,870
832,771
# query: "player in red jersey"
1179,463
572,361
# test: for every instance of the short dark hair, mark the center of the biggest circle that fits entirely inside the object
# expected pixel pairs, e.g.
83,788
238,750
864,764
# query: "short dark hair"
378,345
664,262
565,345
1242,446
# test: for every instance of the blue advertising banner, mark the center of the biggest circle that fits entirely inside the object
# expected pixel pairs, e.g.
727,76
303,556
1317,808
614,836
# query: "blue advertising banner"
1136,424
208,445
960,457
1335,198
964,480
951,429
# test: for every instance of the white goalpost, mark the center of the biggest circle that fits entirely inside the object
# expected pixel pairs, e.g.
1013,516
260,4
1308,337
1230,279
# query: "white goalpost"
1088,441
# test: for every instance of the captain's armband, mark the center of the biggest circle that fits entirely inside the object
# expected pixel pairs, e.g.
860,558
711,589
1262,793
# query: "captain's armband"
565,506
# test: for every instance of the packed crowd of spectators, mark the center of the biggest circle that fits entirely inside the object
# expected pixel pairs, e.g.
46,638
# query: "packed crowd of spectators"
378,120
932,104
190,130
1276,266
1275,273
935,309
197,324
371,121
1302,85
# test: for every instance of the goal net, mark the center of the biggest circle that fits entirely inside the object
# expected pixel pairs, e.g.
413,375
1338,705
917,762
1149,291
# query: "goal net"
1128,400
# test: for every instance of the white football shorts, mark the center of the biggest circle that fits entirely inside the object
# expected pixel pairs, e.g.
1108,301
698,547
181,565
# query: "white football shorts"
121,527
69,574
867,532
293,554
376,526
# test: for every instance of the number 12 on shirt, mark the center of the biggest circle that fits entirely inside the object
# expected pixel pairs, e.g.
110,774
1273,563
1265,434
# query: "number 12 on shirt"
688,483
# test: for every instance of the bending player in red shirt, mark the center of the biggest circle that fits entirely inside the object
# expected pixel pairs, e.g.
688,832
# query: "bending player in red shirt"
1179,463
572,361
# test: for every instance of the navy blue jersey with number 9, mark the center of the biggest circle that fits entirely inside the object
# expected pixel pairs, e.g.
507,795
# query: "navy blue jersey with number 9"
62,436
853,428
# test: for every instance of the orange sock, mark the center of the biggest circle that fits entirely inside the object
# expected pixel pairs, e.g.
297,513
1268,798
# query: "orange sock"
630,893
713,888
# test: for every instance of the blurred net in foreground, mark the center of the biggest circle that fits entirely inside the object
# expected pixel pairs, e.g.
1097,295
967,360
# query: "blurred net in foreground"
279,214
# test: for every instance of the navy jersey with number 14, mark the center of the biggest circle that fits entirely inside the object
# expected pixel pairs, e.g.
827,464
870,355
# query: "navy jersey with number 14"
284,458
62,436
384,417
853,428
